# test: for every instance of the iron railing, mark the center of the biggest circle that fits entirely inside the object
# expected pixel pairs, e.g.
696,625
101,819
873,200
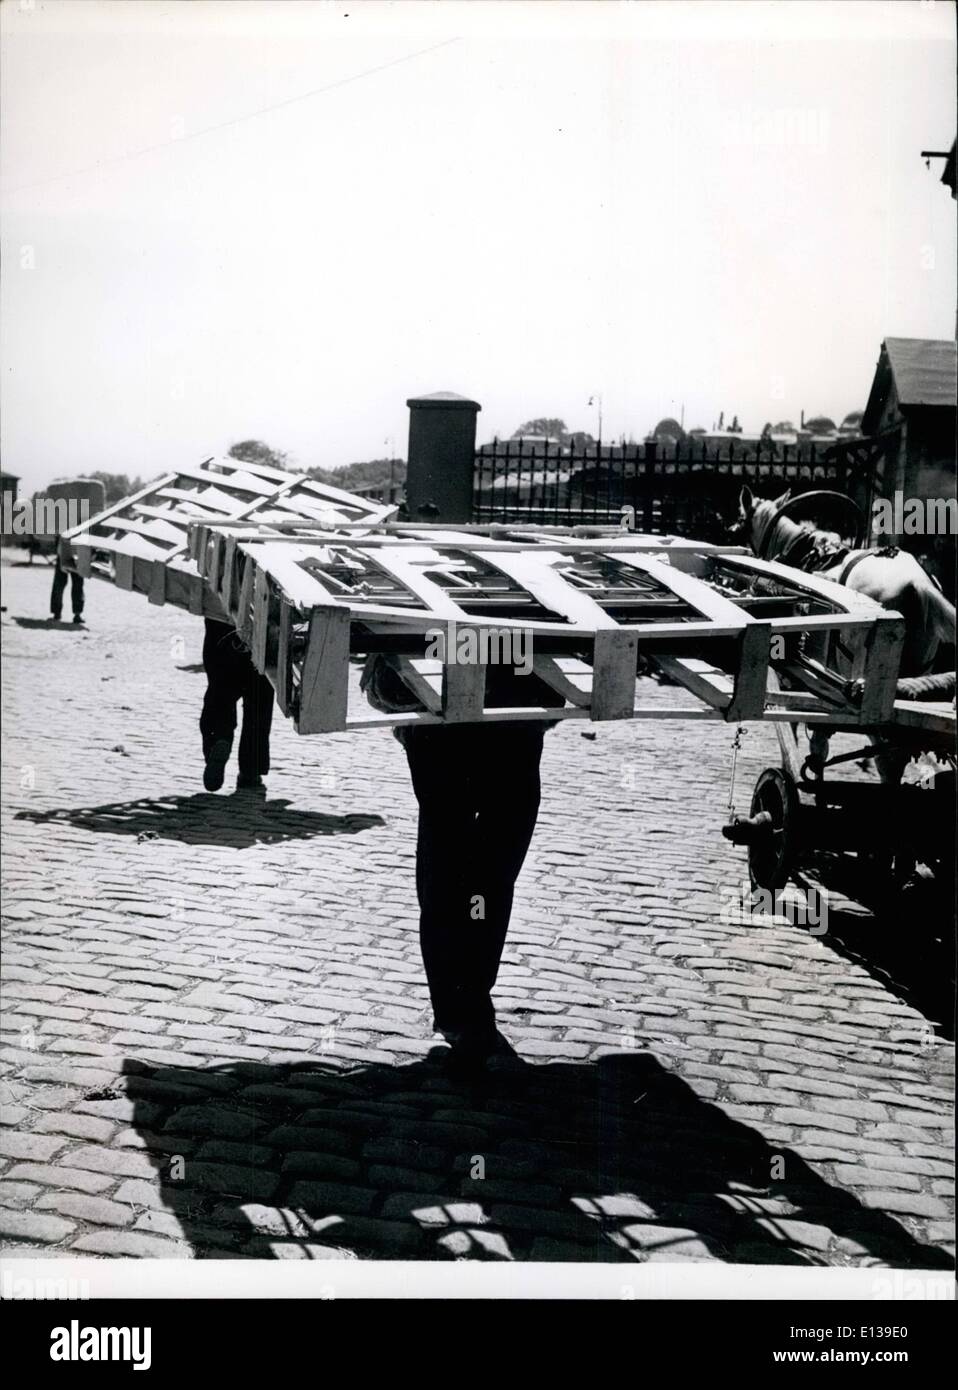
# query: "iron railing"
691,488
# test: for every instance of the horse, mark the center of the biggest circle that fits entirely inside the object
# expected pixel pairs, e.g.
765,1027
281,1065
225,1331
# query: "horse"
888,575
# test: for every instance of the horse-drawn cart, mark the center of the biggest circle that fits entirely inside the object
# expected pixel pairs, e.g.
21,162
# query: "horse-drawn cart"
883,826
892,822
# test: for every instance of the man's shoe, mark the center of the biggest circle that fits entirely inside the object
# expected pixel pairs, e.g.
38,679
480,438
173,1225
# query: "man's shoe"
216,761
472,1051
252,786
77,620
504,1057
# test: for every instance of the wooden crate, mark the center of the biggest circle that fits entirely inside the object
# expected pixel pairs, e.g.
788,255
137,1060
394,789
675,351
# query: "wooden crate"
715,620
143,544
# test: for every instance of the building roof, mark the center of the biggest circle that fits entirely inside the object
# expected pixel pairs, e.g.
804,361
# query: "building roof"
923,371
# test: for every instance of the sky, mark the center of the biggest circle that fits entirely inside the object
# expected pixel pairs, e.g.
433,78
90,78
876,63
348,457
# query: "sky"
279,221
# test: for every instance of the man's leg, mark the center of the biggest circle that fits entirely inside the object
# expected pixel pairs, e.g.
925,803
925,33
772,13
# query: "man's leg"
257,722
218,716
443,780
508,799
56,593
478,793
76,596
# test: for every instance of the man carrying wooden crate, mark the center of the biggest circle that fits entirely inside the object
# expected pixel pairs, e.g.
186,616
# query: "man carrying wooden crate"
478,791
231,677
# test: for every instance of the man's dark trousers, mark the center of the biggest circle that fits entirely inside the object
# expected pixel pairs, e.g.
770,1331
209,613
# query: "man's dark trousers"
59,588
478,791
231,677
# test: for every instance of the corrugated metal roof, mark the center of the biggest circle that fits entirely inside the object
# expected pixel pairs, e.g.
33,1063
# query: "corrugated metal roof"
924,370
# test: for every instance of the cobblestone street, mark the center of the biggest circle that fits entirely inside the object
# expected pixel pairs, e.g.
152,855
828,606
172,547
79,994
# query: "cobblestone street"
216,1039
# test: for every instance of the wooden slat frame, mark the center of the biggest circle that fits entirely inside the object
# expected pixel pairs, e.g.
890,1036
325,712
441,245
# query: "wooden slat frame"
372,721
413,676
324,694
463,692
720,617
550,670
235,492
612,647
751,678
260,621
197,572
282,680
712,687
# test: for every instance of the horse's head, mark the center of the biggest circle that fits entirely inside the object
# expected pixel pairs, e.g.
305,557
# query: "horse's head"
755,515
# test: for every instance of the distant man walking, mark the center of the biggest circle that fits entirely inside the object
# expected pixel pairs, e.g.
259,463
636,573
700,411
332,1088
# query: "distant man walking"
60,576
58,510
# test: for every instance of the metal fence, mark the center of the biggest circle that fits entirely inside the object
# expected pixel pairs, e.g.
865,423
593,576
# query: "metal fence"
688,489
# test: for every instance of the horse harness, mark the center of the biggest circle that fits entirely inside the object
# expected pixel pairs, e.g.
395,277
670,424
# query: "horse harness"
811,550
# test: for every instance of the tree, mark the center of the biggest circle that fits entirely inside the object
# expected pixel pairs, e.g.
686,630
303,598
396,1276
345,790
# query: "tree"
255,451
116,486
377,472
550,429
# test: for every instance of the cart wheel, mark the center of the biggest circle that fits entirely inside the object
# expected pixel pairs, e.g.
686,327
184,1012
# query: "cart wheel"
771,857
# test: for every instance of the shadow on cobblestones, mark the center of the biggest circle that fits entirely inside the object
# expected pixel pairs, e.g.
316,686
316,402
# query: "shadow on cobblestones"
908,945
205,819
616,1161
911,952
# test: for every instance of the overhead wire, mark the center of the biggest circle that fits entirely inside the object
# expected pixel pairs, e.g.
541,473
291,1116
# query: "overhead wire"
234,120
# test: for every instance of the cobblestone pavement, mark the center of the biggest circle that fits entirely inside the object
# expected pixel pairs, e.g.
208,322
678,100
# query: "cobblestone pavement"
216,1038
